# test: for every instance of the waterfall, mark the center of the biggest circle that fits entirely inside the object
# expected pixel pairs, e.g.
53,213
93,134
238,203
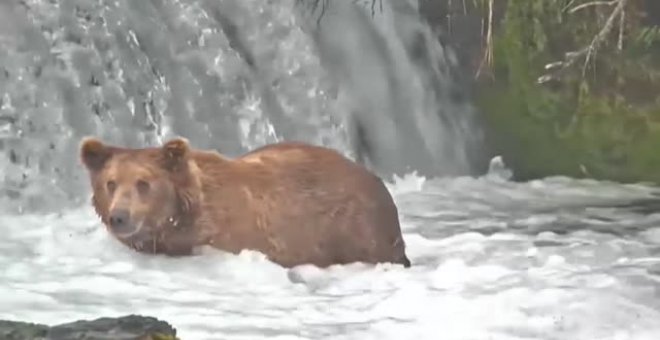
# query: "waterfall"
228,75
399,87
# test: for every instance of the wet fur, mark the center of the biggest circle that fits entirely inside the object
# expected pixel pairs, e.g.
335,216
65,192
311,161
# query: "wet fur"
294,202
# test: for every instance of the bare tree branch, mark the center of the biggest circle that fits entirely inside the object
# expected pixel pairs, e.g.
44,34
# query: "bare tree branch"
589,50
593,3
373,6
314,5
488,54
622,23
600,37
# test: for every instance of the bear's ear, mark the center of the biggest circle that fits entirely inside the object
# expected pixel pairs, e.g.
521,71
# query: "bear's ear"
93,153
175,153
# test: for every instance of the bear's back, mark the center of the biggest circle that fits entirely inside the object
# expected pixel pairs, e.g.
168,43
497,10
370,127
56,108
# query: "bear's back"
310,167
309,201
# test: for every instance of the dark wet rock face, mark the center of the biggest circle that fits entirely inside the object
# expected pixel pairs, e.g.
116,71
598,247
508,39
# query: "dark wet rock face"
130,327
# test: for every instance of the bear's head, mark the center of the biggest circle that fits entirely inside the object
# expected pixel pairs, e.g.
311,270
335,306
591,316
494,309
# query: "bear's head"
142,194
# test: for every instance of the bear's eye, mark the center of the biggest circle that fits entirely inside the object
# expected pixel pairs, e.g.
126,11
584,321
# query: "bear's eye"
142,186
111,185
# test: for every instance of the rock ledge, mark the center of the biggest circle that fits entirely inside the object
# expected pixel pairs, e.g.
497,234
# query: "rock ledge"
129,327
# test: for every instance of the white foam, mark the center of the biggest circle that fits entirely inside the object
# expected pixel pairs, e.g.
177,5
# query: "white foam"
463,284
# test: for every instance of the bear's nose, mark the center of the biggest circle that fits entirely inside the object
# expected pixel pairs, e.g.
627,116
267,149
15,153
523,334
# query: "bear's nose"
119,219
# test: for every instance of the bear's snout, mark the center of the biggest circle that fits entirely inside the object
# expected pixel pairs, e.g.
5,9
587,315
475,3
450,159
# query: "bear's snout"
120,221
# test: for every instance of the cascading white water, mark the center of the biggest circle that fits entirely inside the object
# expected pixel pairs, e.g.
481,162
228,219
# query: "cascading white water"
555,258
400,86
229,75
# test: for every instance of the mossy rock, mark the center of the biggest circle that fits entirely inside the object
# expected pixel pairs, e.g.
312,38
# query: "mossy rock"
130,327
15,330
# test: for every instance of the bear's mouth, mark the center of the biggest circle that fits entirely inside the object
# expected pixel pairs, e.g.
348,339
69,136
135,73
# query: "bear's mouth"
138,233
143,238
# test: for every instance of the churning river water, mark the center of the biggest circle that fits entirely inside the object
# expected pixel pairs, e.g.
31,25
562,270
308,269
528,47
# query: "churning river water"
556,258
552,259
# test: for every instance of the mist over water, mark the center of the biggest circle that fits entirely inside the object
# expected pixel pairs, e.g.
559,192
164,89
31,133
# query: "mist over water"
229,75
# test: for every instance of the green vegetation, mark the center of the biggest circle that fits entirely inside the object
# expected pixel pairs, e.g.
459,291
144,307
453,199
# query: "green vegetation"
161,336
594,111
567,87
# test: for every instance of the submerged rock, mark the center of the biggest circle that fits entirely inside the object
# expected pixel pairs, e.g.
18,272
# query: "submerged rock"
130,327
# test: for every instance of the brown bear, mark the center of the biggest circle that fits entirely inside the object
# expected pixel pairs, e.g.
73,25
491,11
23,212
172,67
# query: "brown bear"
296,203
